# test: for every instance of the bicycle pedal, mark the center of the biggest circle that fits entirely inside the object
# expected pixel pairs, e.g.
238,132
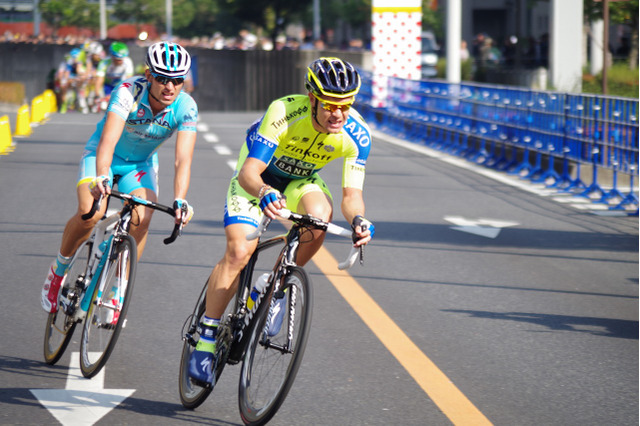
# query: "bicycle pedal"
189,339
278,294
205,385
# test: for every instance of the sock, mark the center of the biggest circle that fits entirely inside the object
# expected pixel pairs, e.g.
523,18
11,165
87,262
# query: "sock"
207,340
62,263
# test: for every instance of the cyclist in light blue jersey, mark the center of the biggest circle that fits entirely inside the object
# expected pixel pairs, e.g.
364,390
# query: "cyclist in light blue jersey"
143,113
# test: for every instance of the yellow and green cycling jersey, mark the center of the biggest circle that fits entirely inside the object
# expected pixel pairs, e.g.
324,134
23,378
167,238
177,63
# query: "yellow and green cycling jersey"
286,140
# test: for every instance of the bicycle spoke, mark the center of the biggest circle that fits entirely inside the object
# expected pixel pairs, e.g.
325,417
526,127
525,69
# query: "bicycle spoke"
271,362
192,394
106,315
60,325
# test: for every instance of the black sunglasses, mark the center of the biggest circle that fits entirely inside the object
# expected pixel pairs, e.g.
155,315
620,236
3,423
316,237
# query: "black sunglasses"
165,80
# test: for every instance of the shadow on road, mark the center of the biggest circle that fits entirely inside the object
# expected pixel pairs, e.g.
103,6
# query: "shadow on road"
606,327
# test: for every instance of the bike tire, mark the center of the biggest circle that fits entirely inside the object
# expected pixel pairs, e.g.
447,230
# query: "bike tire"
192,394
60,326
107,313
268,373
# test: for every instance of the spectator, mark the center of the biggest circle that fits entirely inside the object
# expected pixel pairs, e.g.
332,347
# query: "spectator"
464,52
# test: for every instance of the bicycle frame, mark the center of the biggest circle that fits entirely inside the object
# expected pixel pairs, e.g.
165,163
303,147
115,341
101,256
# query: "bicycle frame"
114,225
243,318
98,262
242,330
286,259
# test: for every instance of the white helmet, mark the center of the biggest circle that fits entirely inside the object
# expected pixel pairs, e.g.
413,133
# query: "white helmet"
168,59
95,48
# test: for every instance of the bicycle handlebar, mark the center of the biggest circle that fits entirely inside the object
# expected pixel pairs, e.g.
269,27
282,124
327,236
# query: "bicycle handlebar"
315,223
177,229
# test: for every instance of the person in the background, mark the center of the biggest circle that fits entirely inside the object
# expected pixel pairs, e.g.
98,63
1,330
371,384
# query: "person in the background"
111,71
95,54
69,80
188,83
464,51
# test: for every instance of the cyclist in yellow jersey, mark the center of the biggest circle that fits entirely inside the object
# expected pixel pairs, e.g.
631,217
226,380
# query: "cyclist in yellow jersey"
278,167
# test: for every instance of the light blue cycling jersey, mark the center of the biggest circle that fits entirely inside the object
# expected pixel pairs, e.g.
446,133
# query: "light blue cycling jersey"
143,132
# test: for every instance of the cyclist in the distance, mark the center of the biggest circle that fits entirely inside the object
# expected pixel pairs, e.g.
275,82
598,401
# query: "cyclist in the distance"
277,168
70,80
112,71
144,111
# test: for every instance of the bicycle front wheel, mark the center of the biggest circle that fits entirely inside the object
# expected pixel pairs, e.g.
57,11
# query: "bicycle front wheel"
108,309
62,323
272,359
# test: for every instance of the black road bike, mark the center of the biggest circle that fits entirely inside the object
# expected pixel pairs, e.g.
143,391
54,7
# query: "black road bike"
270,358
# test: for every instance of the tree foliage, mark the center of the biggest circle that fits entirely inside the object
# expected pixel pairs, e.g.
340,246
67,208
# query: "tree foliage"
620,12
62,13
433,18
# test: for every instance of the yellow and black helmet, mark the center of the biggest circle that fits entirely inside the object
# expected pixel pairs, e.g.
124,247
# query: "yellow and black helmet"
332,77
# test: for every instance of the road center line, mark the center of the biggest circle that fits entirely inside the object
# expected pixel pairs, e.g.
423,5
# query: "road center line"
453,403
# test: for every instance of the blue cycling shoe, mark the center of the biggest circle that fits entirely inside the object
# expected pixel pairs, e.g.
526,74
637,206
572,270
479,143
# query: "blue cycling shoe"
202,364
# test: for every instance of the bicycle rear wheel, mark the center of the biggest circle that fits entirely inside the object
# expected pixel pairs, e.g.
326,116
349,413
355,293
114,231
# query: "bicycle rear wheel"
271,363
61,324
108,309
193,394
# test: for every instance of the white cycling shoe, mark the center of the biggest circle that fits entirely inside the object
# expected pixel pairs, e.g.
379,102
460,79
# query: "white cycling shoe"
51,290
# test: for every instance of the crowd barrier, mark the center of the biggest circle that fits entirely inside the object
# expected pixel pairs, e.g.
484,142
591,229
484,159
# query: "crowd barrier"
542,136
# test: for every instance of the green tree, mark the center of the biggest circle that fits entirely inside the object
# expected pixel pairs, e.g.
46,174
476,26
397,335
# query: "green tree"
138,11
272,15
620,12
433,18
62,13
154,12
626,13
208,17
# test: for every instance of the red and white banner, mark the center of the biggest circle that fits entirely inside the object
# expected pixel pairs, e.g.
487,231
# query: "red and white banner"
396,43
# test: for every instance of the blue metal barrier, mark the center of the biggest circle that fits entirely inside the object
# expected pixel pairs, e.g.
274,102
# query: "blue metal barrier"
538,135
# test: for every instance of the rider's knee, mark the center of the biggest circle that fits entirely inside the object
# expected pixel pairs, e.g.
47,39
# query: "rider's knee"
322,211
238,253
88,223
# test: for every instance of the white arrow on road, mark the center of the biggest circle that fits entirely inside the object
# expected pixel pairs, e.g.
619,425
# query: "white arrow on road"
488,228
83,401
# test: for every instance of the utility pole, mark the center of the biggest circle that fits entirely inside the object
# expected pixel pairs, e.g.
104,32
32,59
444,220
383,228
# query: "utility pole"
316,19
103,20
605,45
169,10
36,19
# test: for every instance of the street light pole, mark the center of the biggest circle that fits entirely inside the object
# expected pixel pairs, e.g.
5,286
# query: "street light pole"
316,19
169,10
36,19
605,45
103,20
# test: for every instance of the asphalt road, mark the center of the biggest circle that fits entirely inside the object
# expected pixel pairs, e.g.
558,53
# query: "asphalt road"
478,302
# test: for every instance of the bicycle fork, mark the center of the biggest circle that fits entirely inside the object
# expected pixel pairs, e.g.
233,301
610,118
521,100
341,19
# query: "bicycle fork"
279,293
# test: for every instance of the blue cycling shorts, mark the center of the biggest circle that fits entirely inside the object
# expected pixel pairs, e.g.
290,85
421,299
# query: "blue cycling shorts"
132,175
